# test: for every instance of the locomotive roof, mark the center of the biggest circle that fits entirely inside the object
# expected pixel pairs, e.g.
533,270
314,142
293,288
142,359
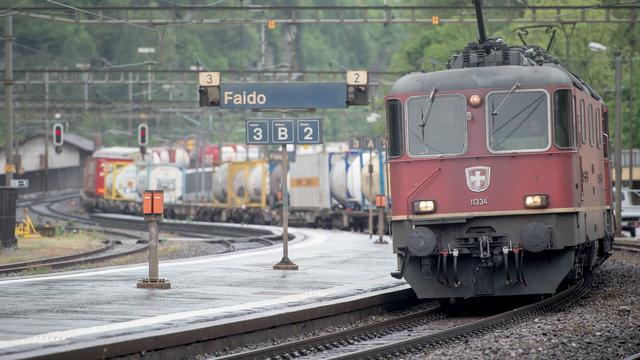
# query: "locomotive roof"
482,77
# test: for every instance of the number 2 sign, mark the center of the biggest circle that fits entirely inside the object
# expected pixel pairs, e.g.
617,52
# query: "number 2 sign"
309,131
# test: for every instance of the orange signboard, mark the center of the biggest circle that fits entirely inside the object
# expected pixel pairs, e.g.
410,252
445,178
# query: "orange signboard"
153,202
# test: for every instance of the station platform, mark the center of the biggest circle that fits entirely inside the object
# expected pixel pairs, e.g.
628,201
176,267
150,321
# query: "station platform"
46,314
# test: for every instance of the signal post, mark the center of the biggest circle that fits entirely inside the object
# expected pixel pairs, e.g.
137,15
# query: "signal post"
153,208
284,97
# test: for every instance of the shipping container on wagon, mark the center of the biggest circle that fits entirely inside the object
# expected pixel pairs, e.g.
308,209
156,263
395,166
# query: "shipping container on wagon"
168,178
309,182
247,184
350,180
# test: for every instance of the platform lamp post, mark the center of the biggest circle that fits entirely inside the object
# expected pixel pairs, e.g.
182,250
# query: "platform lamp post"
594,46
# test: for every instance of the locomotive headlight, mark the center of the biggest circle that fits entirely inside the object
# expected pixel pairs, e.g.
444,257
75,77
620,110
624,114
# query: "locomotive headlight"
424,206
537,201
475,100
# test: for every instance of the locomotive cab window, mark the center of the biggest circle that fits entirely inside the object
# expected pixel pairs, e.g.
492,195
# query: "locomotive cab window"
563,119
518,122
394,127
437,125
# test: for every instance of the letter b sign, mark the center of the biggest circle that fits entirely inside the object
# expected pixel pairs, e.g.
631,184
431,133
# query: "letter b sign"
282,131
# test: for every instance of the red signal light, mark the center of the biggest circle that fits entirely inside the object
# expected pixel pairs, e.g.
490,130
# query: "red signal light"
142,134
58,134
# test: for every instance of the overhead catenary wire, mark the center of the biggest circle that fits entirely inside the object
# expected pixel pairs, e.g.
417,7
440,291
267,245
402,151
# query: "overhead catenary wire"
9,12
44,53
101,15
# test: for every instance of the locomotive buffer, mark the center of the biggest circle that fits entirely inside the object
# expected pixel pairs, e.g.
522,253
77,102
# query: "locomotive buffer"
284,97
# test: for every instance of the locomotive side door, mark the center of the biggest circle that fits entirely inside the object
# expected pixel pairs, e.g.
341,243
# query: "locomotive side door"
580,141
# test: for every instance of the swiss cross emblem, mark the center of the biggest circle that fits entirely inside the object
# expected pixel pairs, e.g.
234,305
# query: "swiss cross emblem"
478,178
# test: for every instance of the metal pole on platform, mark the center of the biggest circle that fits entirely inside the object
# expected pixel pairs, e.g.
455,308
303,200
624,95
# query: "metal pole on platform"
153,209
618,150
285,263
46,133
153,251
370,192
381,226
632,113
8,98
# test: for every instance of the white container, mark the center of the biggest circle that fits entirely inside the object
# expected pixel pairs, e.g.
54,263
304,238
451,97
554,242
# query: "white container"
338,178
219,185
170,179
121,183
238,184
254,182
369,191
309,182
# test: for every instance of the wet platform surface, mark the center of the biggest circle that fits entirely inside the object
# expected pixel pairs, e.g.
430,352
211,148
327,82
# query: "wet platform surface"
76,307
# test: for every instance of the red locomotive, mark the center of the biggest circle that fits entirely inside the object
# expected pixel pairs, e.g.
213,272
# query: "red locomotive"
499,173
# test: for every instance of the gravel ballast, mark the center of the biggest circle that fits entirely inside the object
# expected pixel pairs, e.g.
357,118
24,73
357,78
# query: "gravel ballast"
605,324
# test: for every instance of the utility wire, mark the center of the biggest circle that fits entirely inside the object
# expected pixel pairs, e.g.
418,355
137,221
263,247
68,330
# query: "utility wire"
44,53
101,15
4,13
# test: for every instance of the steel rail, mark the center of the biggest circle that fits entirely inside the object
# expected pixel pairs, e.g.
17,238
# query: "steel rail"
89,258
23,265
635,248
633,357
341,338
475,328
52,264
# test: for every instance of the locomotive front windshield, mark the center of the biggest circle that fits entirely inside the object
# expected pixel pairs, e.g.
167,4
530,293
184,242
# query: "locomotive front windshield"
518,122
439,128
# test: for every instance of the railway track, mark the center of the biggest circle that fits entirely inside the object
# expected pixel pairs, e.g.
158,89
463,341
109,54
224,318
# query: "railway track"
628,246
409,334
130,229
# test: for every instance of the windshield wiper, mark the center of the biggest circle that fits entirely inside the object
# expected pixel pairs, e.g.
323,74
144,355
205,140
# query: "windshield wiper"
513,88
426,109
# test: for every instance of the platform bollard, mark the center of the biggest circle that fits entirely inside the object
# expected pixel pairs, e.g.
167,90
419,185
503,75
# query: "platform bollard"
153,207
380,204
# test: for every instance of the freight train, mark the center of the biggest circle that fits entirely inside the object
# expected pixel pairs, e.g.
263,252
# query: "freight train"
329,186
500,174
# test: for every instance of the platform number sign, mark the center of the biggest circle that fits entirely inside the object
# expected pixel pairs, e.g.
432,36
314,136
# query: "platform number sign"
284,131
357,77
309,131
211,78
258,132
368,143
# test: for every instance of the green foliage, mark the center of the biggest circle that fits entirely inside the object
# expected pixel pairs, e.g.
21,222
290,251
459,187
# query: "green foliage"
404,48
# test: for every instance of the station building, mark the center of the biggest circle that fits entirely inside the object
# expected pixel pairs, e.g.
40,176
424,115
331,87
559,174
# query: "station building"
65,167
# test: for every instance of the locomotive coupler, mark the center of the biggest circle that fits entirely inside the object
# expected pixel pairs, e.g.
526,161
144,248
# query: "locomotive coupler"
484,244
